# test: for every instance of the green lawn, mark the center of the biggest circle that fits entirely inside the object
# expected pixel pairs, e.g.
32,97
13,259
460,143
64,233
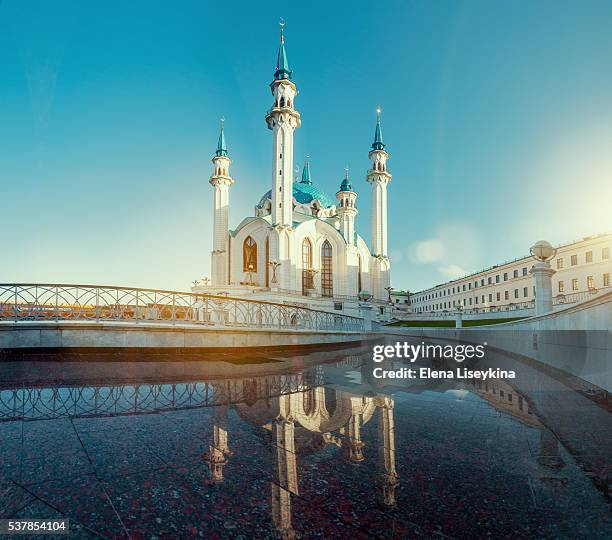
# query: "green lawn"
451,323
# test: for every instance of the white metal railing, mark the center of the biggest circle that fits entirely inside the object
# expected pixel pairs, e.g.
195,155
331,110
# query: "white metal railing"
54,302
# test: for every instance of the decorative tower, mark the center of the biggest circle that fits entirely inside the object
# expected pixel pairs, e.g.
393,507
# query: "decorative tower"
379,178
282,119
221,182
346,209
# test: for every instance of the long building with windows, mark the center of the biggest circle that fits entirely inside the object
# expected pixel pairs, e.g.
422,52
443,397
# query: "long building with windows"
582,267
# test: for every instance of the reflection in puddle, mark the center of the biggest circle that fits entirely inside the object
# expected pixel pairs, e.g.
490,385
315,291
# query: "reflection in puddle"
325,450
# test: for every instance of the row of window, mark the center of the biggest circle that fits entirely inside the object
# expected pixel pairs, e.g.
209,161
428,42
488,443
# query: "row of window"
516,295
588,258
590,283
477,300
490,280
476,283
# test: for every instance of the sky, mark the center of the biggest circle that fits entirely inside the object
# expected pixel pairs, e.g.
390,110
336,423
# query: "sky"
497,118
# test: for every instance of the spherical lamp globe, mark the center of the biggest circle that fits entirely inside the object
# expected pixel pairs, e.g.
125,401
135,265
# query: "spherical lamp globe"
364,296
542,251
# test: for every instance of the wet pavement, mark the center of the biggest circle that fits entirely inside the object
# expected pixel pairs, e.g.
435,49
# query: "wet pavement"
313,450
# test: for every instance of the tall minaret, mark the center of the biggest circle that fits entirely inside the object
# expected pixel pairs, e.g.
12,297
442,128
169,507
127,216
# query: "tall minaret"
379,178
221,182
346,209
282,119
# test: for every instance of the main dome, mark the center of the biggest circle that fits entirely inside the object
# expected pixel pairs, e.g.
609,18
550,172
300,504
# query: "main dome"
304,193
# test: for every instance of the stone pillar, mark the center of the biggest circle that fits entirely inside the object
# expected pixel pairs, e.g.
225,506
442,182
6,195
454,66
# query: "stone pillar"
459,317
542,272
543,252
365,311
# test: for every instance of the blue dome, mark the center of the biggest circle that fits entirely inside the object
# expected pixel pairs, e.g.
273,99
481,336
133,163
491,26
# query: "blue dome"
304,193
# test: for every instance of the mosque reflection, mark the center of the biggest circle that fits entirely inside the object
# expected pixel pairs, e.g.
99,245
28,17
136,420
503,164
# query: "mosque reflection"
310,420
305,421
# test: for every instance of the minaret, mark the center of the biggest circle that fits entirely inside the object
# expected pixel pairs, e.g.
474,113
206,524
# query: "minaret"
346,209
379,178
221,182
386,449
282,119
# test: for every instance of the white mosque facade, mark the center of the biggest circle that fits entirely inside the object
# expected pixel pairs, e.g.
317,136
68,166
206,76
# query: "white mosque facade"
300,241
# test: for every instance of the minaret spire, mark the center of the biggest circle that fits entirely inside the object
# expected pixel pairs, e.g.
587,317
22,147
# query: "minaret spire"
306,178
282,64
221,146
378,138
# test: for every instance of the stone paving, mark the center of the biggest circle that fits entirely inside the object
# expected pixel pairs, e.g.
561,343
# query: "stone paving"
453,463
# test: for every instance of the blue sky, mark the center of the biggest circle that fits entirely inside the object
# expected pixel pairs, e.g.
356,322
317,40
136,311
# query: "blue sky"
497,116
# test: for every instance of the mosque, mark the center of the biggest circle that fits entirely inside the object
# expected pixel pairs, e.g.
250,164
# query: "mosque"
300,240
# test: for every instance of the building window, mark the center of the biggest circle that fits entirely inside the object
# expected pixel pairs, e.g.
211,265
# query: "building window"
505,276
497,278
559,263
515,274
464,286
606,280
490,297
249,255
574,260
483,298
506,295
489,280
307,281
482,282
590,282
516,293
359,282
498,297
561,286
574,284
525,271
525,292
605,253
589,257
470,301
327,280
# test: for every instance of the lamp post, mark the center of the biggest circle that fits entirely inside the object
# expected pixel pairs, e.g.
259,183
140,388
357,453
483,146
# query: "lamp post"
389,289
365,310
542,252
274,265
250,274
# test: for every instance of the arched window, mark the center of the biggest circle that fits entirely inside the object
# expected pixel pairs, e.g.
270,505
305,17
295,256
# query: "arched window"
331,401
308,401
327,279
306,265
249,255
